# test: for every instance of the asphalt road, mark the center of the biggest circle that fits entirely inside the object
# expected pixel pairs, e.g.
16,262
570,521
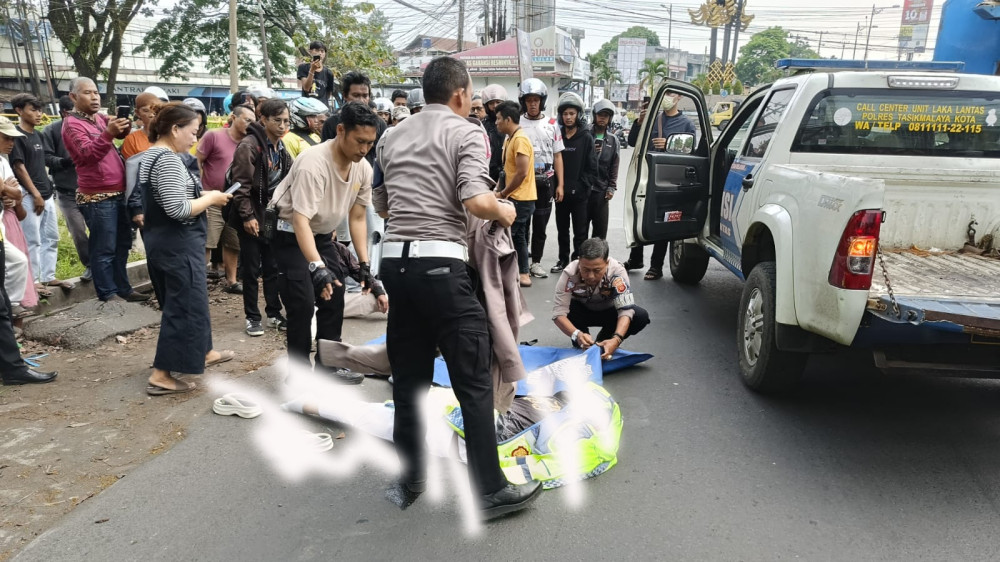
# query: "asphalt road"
854,466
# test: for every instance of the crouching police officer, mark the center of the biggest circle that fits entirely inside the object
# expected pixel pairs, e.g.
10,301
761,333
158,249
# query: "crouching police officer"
436,170
324,185
594,291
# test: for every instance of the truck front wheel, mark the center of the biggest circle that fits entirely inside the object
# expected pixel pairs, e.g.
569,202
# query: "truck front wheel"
763,367
688,262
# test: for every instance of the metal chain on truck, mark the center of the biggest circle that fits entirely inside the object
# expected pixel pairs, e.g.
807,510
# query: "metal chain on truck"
888,285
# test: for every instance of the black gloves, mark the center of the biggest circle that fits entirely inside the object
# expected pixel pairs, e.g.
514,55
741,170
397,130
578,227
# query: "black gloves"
366,276
321,277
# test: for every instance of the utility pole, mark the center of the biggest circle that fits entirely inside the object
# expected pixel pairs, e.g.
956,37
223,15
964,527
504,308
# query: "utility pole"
461,26
819,45
871,24
13,50
234,67
854,53
714,39
670,29
486,22
36,84
263,45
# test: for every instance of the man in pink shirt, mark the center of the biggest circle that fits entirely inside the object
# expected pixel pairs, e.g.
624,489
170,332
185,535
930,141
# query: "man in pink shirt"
89,139
215,154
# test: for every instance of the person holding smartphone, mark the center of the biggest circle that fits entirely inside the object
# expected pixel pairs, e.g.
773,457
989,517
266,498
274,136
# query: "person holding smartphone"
137,141
315,79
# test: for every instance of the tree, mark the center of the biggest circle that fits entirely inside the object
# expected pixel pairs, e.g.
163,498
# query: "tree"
651,73
601,71
637,31
356,36
757,57
91,31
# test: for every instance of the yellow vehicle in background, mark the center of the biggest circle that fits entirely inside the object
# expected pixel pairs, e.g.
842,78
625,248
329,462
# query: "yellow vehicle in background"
722,113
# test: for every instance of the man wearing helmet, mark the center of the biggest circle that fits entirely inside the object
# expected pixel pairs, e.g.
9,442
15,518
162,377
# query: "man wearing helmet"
415,100
579,169
383,107
546,139
606,183
492,96
308,116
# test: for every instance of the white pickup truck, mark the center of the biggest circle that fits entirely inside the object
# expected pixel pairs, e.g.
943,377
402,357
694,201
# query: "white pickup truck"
860,206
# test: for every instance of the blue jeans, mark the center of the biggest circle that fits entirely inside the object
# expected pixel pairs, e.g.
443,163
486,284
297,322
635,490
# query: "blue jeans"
41,232
519,232
109,244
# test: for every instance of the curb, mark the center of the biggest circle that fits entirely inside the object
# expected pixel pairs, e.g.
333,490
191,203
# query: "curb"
62,299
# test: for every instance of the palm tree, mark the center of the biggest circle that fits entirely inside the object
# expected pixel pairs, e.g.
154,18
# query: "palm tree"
602,72
652,72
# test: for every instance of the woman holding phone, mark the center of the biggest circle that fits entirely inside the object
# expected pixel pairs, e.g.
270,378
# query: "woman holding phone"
174,232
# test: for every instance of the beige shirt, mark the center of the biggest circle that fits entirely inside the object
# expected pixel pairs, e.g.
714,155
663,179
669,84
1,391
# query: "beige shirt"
432,162
613,291
316,190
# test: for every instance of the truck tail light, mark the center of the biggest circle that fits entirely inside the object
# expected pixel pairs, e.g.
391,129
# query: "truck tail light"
855,259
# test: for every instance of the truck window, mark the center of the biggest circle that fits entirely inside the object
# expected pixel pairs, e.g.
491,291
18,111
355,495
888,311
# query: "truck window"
767,121
908,123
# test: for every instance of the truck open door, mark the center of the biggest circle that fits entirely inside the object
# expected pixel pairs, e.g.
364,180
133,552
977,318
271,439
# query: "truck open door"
667,189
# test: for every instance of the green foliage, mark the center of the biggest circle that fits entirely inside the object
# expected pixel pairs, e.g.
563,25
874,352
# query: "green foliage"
715,87
757,57
637,31
737,87
600,72
356,37
701,82
651,73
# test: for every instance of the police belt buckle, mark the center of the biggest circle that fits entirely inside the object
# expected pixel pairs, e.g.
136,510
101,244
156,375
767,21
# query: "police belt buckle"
426,249
285,226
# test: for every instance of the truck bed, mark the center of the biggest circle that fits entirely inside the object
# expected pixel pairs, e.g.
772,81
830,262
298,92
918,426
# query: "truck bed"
962,290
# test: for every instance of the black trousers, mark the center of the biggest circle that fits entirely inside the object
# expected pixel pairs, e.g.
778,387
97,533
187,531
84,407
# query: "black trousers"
297,292
571,211
257,260
434,306
583,318
540,217
11,364
656,261
597,214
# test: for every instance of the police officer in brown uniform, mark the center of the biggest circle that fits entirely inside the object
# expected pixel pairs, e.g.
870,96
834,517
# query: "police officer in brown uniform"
436,170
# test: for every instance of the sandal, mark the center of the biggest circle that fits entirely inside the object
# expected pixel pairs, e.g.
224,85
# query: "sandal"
42,291
629,266
237,405
157,390
61,283
653,274
224,355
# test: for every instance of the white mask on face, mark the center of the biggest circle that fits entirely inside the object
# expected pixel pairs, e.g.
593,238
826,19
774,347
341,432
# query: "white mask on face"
668,103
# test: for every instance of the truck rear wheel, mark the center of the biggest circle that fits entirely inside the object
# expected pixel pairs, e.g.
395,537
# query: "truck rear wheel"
688,262
722,124
763,367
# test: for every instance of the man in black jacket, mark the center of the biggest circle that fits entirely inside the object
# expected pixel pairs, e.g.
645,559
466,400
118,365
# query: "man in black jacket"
63,172
492,96
579,173
606,182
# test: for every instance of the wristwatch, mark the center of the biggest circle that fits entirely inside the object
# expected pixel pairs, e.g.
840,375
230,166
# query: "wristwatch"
314,265
575,335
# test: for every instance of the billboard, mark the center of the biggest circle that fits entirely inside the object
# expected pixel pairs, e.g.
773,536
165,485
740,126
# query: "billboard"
619,92
914,25
631,53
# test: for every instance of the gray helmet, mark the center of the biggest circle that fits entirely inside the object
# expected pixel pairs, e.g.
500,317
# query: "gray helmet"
494,92
569,99
533,87
415,98
303,107
195,104
604,105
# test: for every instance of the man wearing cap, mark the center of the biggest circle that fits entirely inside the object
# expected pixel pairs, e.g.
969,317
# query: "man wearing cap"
88,136
436,172
13,370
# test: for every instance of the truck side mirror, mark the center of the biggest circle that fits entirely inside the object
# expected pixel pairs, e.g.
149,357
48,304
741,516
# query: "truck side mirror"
680,143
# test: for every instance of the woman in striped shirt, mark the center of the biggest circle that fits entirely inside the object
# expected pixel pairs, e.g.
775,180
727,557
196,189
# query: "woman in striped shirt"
174,231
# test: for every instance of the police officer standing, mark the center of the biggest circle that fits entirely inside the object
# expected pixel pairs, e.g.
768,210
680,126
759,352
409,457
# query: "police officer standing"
436,171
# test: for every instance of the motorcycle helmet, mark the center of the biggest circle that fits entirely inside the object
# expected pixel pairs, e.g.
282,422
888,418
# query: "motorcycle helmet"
532,87
494,92
415,99
604,105
158,92
300,108
569,99
383,105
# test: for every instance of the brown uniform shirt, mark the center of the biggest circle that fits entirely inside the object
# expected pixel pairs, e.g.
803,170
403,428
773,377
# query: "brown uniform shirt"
431,162
613,291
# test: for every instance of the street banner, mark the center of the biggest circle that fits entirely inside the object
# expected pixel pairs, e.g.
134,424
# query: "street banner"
524,55
914,25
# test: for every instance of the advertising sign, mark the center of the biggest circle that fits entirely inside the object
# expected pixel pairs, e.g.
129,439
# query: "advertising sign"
915,24
631,53
619,92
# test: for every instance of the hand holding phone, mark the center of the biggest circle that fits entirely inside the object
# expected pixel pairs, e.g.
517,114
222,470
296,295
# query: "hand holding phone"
123,112
232,189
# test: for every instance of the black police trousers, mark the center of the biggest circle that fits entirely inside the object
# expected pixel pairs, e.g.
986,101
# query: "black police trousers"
434,306
11,364
583,318
571,212
299,296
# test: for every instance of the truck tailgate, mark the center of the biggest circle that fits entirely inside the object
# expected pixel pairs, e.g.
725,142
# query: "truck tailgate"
955,292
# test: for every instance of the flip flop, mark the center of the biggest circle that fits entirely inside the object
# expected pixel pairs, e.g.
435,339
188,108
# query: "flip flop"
236,405
156,390
653,274
61,283
224,355
316,442
42,291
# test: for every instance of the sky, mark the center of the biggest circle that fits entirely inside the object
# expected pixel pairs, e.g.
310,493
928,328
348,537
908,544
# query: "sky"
602,19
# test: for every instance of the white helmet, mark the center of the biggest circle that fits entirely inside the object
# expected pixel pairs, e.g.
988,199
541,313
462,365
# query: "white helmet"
158,92
300,108
532,87
383,105
415,98
494,92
